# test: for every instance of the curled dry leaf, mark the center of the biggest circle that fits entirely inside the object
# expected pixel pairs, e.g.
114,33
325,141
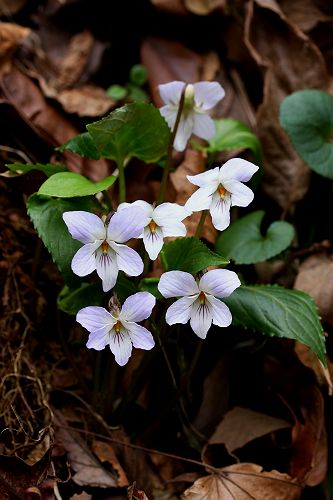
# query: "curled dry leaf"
306,14
315,277
105,453
292,62
193,164
242,425
309,452
310,359
87,100
244,481
133,493
172,6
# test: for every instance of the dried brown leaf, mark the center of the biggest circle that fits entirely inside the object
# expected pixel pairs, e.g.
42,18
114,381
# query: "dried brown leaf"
242,425
309,453
244,481
315,277
11,35
306,14
87,100
133,493
88,471
75,60
105,453
204,7
311,360
292,62
193,164
173,6
9,7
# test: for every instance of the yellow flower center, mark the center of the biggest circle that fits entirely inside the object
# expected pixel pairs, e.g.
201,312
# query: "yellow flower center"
202,297
105,246
117,326
152,226
222,191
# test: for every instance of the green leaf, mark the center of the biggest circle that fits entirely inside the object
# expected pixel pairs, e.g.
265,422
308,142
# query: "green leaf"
138,75
136,94
124,287
82,145
278,312
136,129
150,285
244,243
190,255
116,92
70,184
47,168
307,117
46,215
71,300
233,134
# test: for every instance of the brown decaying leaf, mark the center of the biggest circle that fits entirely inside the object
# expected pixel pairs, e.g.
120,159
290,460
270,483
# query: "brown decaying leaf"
243,481
306,14
309,452
311,360
315,277
81,496
173,6
133,493
242,425
9,7
292,62
11,35
87,100
193,164
105,453
88,471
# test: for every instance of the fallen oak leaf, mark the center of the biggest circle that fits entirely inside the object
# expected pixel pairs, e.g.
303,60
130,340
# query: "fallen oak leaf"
242,482
105,453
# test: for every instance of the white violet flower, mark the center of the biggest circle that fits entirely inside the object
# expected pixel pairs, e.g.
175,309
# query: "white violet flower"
199,98
103,250
162,221
119,327
199,303
222,188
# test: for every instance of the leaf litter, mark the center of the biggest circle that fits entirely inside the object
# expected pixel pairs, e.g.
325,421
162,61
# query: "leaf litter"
53,77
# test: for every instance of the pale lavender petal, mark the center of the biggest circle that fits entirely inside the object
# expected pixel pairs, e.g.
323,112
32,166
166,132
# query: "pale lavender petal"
206,178
177,284
237,169
169,113
201,199
95,318
124,205
221,312
121,346
174,229
84,261
201,318
107,268
153,241
171,92
219,282
166,211
241,195
128,260
138,307
184,132
140,336
126,224
84,226
204,126
207,94
220,211
98,340
180,311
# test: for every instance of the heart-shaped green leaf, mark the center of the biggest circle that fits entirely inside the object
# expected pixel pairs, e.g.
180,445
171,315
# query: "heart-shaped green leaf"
70,184
47,168
46,215
82,145
307,117
278,312
136,129
190,255
244,243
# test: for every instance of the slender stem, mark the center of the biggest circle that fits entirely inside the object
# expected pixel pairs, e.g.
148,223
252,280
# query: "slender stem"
107,199
168,161
201,224
122,183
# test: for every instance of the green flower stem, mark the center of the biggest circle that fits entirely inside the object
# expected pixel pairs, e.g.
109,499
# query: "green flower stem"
201,224
122,183
108,200
168,161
